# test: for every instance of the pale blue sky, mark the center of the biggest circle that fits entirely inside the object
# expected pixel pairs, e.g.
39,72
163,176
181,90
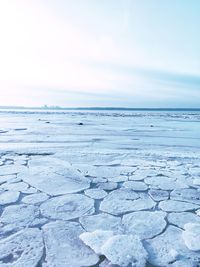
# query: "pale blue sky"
131,53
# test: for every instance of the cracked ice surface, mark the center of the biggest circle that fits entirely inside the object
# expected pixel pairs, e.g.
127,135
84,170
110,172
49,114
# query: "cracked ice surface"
114,174
22,249
145,224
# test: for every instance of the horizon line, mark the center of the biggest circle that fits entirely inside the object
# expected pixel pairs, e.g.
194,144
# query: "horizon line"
45,107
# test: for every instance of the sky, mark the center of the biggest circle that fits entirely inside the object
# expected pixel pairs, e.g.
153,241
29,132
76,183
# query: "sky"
118,53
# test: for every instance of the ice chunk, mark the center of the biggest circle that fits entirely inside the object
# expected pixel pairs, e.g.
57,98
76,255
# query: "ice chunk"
198,212
177,206
109,186
137,186
67,207
181,218
158,194
35,198
99,180
101,221
125,250
6,178
95,240
95,193
191,236
107,263
22,249
169,247
124,200
64,248
184,263
55,182
109,172
145,224
164,183
188,195
8,197
19,215
21,186
11,169
196,181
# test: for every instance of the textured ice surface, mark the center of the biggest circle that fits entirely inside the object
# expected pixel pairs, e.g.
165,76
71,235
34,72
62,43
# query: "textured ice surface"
101,221
181,218
136,186
95,240
191,236
8,197
64,248
109,186
145,224
21,186
22,249
95,193
11,169
107,263
196,181
113,173
18,216
67,207
125,250
177,206
164,183
6,178
188,195
108,172
35,198
158,195
169,247
55,183
125,200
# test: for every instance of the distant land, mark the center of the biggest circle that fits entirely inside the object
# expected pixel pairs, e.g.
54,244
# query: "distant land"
45,107
100,108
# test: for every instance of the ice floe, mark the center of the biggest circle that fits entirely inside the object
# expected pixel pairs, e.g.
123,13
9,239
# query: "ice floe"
18,216
125,250
109,186
21,186
6,178
191,236
145,224
25,248
55,183
188,195
121,250
35,198
169,247
8,197
102,221
96,239
11,169
136,186
158,195
181,218
95,193
164,183
177,206
67,207
64,248
124,200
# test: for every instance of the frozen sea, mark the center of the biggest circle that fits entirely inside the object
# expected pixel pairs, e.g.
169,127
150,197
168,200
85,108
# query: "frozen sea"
100,188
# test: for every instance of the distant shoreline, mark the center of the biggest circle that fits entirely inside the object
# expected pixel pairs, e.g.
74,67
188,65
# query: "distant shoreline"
98,108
